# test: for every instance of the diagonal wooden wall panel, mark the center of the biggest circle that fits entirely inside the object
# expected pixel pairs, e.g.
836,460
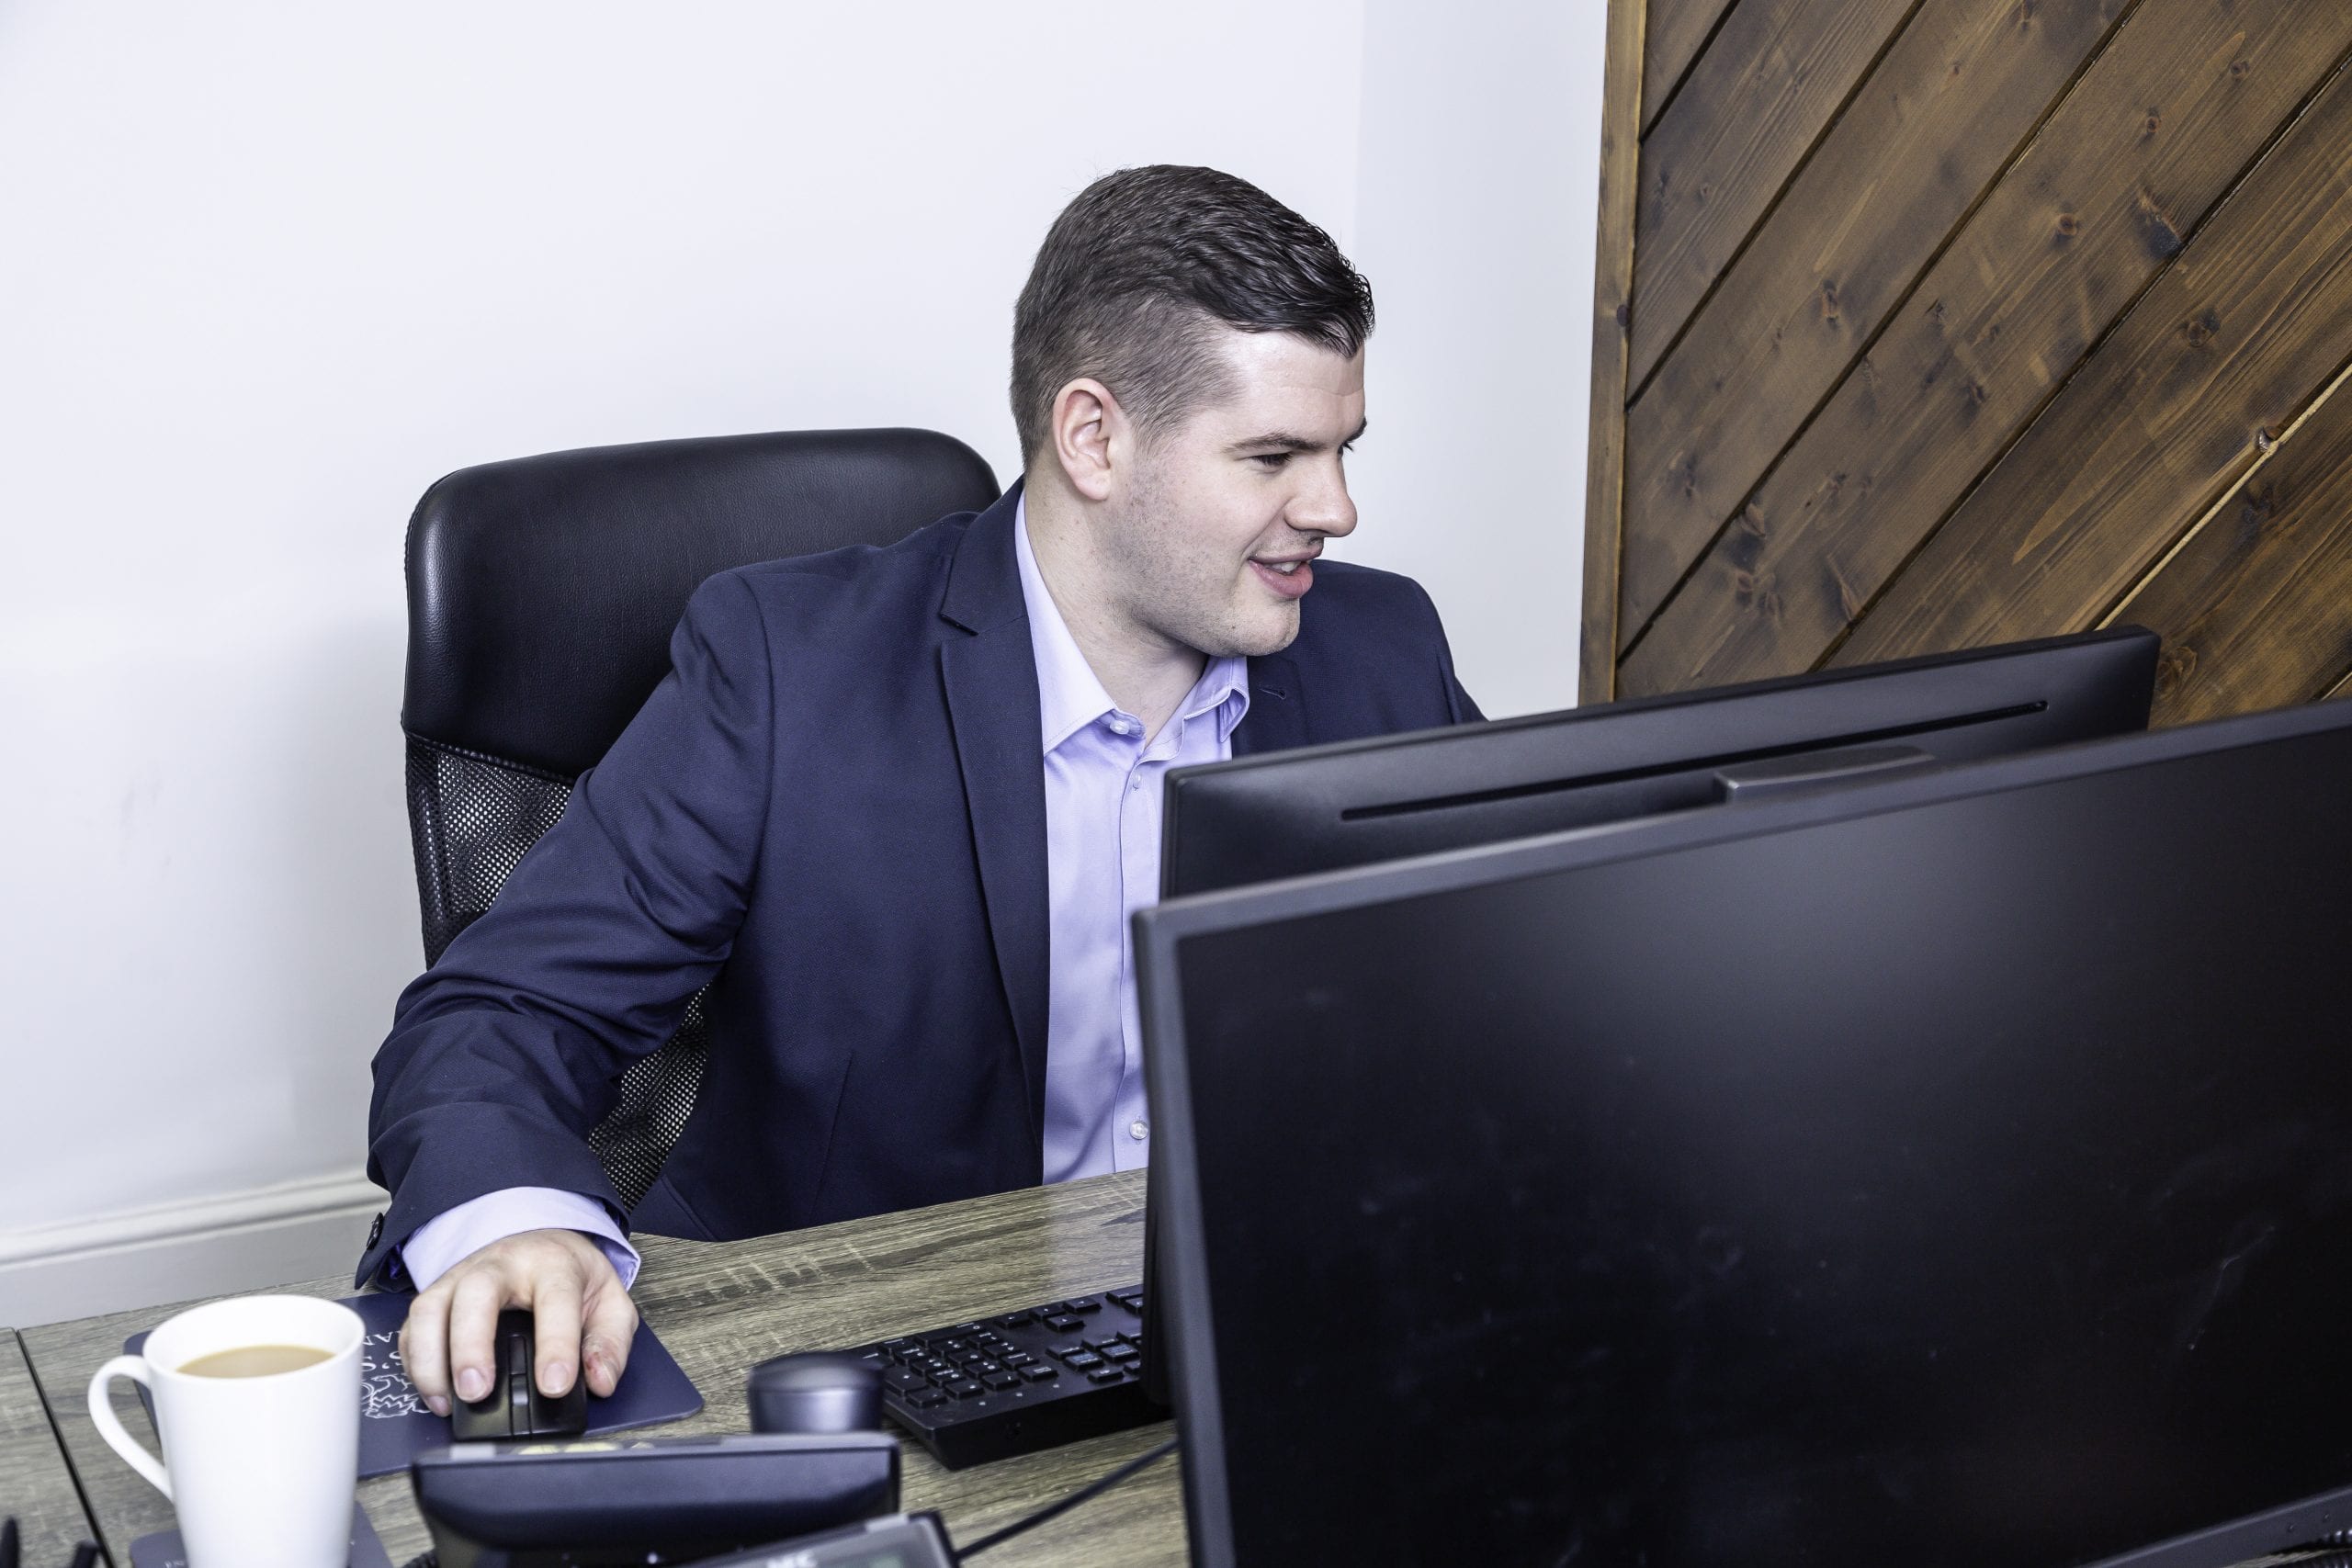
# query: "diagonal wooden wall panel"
1775,74
2222,354
2255,608
1675,32
2046,321
1951,106
2155,132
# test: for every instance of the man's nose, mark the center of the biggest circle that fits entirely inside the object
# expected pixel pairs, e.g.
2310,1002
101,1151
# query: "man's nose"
1324,507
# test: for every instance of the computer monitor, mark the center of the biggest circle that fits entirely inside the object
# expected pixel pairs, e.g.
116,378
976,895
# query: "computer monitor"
1949,1170
1319,808
1326,807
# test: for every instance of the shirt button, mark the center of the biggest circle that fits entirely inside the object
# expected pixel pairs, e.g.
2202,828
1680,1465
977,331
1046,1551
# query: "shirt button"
1138,1129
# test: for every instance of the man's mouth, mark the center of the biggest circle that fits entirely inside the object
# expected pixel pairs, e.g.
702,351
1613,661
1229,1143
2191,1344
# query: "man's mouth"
1289,576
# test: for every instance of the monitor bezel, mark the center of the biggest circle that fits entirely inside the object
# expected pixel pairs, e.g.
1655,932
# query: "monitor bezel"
1160,930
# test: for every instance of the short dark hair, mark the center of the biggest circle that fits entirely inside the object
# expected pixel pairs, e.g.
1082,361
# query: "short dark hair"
1140,268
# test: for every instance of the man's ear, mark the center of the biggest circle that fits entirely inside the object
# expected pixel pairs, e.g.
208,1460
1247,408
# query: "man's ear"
1089,434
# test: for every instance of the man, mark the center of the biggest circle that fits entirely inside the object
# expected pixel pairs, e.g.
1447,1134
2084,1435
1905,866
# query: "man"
896,805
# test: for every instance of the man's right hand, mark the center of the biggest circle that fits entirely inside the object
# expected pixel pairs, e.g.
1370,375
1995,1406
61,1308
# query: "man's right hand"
581,1315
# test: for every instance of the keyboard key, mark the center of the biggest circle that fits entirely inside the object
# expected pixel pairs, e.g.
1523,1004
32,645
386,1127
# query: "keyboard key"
1105,1374
895,1347
1037,1372
1103,1345
1018,1359
924,1398
1003,1380
967,1328
963,1388
951,1344
1018,1319
1060,1352
1081,1303
1065,1322
1081,1360
1123,1354
904,1380
983,1368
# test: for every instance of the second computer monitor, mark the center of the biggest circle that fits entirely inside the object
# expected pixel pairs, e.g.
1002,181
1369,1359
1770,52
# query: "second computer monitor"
1950,1171
1328,807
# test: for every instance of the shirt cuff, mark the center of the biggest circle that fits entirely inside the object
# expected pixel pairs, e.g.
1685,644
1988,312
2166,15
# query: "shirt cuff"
441,1243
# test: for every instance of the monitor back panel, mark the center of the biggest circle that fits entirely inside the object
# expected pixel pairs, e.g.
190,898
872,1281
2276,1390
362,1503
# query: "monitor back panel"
1292,813
1961,1184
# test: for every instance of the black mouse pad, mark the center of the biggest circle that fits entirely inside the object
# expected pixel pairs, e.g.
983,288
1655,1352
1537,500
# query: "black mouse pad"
162,1549
397,1425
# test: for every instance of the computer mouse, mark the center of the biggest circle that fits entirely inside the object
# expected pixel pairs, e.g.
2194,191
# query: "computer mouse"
515,1407
815,1391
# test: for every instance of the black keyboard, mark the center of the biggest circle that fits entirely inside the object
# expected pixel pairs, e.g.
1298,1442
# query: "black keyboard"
1022,1381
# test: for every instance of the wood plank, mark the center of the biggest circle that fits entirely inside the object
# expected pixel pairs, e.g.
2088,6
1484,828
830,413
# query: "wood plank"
36,1484
2228,348
1952,105
1613,293
2155,134
1775,76
1677,30
720,1308
2341,689
2255,609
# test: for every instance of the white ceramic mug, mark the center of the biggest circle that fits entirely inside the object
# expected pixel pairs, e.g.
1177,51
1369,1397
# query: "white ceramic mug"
262,1469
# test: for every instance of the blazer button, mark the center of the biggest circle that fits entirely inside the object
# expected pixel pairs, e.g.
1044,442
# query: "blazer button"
376,1230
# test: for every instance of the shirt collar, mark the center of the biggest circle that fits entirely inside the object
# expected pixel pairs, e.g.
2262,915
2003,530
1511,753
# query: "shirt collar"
1070,695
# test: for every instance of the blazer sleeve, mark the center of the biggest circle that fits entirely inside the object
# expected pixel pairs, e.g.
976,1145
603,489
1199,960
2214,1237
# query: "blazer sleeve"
506,1053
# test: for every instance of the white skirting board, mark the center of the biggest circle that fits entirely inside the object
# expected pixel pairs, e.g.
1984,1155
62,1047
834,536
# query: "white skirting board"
210,1247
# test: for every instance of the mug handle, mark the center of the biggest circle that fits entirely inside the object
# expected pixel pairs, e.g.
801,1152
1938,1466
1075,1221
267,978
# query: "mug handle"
111,1427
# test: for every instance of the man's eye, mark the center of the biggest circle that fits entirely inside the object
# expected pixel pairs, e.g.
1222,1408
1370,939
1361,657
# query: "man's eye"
1272,460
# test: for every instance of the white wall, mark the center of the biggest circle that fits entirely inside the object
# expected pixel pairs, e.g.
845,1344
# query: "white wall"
1477,198
271,268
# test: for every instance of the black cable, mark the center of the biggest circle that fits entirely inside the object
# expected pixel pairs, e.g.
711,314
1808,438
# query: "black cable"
1055,1510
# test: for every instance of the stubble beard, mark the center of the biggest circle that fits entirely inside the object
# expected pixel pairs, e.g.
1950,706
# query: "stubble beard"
1171,594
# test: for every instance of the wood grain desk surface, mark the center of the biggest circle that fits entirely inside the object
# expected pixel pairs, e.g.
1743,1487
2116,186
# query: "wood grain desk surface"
36,1484
720,1308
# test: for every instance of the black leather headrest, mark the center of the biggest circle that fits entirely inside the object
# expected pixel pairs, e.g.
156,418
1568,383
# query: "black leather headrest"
542,591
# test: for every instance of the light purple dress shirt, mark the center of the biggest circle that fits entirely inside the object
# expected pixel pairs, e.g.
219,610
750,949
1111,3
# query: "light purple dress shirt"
1103,801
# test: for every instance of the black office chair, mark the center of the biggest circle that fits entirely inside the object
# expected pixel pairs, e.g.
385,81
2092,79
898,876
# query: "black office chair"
541,596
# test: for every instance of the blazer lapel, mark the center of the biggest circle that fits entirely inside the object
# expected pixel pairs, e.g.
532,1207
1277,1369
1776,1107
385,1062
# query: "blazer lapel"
1277,717
990,676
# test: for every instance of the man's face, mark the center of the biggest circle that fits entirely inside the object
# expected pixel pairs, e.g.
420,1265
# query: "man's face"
1226,507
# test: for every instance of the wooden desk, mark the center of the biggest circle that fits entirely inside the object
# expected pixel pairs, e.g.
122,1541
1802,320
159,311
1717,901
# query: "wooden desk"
36,1484
722,1308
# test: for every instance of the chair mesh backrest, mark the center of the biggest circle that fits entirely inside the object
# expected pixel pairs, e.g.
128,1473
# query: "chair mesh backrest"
541,594
471,819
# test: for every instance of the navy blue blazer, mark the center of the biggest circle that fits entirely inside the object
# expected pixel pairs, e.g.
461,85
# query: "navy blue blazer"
832,810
